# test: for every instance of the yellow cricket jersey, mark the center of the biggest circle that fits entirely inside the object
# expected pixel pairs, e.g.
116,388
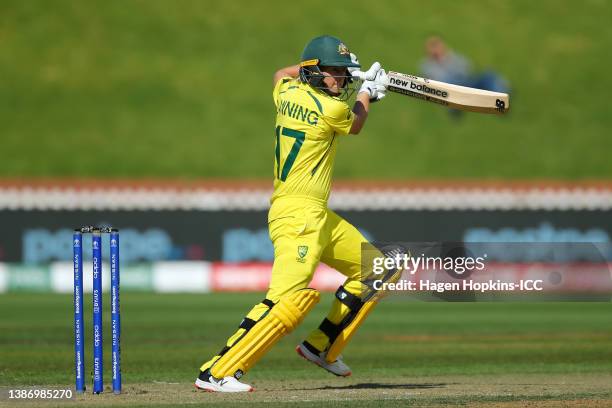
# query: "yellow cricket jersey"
308,123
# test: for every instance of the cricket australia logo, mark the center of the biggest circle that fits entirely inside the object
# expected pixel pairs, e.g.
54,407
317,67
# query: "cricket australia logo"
302,251
343,49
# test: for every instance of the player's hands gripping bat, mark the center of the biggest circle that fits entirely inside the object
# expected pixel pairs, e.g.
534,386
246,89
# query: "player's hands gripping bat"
452,96
376,89
373,80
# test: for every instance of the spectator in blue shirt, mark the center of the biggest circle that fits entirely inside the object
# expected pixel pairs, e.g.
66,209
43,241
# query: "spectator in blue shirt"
444,64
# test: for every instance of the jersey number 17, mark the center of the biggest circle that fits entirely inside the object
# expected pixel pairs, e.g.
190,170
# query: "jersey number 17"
295,149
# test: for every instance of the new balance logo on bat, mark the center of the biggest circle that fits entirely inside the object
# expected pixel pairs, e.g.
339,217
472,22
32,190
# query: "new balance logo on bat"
421,88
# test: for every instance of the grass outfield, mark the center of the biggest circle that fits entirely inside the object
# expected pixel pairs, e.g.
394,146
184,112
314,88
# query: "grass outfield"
432,353
163,89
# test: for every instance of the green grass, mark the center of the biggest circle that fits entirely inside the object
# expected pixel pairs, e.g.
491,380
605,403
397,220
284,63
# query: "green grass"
183,89
438,402
167,337
429,354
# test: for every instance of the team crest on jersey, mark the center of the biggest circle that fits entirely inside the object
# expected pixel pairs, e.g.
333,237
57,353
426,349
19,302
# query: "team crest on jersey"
343,49
302,251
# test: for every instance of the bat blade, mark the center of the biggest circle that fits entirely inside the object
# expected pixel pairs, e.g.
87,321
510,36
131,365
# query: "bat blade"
452,96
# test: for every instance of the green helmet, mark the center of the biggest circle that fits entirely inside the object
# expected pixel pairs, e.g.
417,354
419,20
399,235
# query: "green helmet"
325,51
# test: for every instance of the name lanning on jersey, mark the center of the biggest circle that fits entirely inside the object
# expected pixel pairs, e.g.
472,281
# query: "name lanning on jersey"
296,111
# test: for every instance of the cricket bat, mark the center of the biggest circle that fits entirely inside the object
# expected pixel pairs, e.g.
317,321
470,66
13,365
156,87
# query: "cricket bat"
452,96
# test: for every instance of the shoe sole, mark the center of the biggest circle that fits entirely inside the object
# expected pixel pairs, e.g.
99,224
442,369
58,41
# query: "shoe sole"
215,390
203,389
299,351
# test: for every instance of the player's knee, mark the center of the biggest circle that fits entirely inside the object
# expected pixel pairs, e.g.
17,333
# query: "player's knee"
292,309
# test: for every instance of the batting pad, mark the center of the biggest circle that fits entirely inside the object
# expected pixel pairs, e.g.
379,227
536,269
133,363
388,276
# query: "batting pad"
345,335
360,308
285,316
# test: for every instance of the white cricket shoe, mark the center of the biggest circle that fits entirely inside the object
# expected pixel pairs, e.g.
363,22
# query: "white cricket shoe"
337,367
226,384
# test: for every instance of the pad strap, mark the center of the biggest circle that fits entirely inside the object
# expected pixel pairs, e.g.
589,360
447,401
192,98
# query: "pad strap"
268,303
348,299
247,323
330,329
354,303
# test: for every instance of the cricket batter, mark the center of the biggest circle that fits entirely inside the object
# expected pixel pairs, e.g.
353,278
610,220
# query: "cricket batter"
312,115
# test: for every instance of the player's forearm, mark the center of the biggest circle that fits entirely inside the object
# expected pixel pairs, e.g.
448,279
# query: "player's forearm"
292,71
360,109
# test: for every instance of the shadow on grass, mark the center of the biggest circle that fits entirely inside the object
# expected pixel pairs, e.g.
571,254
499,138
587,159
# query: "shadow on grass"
367,386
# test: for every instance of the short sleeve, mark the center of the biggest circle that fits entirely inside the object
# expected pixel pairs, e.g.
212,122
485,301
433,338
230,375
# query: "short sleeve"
340,118
277,88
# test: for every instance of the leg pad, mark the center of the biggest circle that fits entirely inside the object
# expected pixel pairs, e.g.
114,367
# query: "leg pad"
347,332
282,318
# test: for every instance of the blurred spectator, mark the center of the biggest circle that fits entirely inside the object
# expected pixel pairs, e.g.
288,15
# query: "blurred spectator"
444,64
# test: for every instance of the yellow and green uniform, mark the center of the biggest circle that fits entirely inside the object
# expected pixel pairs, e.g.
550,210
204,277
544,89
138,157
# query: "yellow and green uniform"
308,126
303,230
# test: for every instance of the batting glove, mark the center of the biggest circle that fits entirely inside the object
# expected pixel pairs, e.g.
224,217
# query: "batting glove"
369,75
377,88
